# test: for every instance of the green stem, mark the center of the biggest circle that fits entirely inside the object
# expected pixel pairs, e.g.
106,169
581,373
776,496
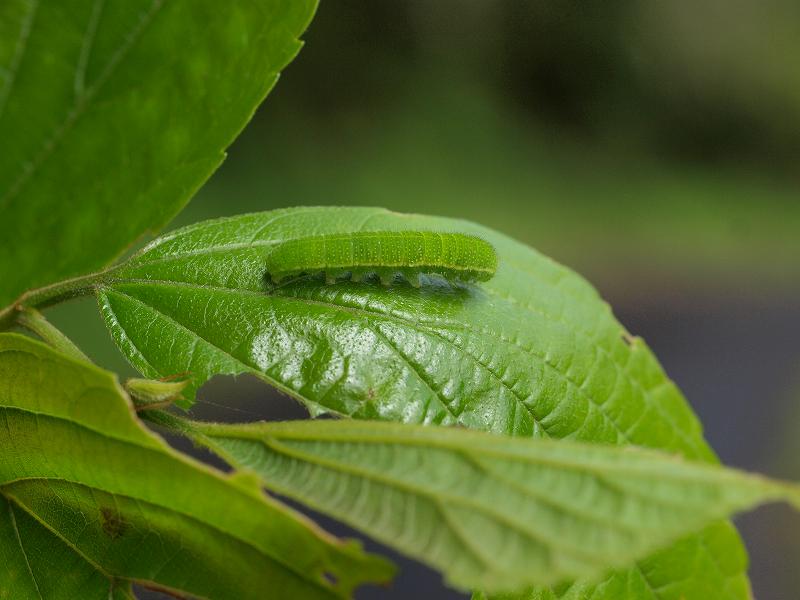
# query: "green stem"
52,294
193,430
33,320
173,423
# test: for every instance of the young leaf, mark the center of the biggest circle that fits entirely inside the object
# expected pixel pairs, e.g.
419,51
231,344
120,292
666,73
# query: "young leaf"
488,510
112,114
150,393
89,498
532,352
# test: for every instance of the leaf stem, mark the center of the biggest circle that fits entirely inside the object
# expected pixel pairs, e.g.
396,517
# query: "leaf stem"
192,430
34,321
173,423
52,294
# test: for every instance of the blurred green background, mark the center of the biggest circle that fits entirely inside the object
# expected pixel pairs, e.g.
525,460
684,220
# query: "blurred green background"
652,146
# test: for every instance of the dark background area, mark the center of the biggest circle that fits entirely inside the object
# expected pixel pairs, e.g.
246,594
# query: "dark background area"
653,147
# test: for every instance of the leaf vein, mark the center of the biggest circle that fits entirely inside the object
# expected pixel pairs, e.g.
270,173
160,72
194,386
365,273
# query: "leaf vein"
435,496
19,53
22,547
79,81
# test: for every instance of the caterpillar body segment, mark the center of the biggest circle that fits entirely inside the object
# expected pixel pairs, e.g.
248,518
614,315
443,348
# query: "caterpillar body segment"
387,255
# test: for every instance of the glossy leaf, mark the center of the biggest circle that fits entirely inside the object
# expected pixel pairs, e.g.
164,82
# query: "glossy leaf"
488,510
89,499
113,113
532,352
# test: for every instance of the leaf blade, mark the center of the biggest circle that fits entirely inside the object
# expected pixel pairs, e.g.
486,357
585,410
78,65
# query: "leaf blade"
534,352
142,95
459,499
74,465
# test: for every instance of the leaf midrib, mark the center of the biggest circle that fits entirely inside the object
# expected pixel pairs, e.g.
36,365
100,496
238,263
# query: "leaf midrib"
362,313
278,431
335,465
425,328
594,469
431,495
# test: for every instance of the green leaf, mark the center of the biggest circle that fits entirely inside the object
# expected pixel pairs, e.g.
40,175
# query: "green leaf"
149,393
112,114
532,352
489,510
91,499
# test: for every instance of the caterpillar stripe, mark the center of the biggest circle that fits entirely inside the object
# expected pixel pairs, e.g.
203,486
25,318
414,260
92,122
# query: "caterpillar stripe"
387,255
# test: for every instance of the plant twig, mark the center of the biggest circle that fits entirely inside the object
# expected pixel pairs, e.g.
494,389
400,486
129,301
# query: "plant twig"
52,294
34,321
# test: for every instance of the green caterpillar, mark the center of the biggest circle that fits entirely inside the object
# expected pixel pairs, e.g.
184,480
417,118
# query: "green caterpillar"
386,255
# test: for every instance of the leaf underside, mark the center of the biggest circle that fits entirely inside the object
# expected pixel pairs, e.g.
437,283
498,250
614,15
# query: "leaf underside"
90,500
86,85
487,510
533,352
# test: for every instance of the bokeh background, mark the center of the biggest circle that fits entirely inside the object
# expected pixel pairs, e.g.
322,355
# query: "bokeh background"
652,146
